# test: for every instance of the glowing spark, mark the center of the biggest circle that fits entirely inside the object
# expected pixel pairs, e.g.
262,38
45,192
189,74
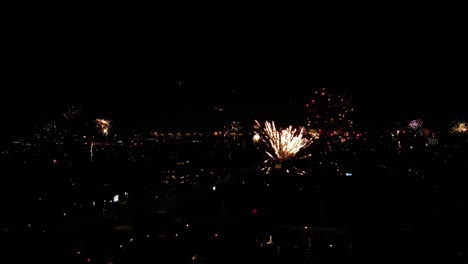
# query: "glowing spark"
256,138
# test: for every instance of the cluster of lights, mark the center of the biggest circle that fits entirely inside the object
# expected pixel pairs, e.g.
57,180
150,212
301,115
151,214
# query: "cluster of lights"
328,114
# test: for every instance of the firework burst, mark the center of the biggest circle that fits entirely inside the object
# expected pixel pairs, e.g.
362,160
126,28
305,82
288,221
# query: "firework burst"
460,128
283,146
415,124
103,125
71,112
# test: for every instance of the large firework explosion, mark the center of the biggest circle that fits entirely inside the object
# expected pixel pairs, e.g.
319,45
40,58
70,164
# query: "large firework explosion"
283,146
329,115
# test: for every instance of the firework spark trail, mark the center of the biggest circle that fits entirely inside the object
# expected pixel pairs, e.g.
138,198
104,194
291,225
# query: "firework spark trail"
91,153
283,145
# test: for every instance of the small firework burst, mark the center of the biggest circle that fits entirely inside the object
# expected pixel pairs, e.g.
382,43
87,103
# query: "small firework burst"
103,125
415,124
460,128
71,112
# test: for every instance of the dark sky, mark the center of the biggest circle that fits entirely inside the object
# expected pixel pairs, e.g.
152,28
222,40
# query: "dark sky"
133,74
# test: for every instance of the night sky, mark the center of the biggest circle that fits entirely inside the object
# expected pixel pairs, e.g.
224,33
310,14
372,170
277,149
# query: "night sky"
176,78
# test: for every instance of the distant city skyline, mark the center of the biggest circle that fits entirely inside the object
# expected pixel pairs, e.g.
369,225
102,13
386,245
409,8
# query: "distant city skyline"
182,103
